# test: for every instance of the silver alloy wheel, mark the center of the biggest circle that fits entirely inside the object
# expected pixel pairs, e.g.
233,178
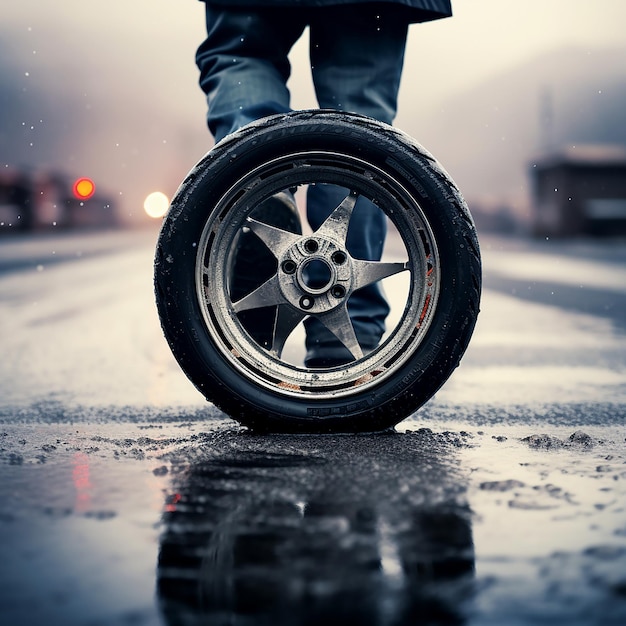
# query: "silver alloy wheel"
294,296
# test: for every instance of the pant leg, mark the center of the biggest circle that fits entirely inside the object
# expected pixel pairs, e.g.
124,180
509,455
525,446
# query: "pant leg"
357,54
244,64
368,307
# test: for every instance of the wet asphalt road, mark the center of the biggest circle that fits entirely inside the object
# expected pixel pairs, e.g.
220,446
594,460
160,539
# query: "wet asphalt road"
126,499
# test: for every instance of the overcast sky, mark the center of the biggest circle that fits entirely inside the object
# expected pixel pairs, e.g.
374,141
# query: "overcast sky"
483,38
133,61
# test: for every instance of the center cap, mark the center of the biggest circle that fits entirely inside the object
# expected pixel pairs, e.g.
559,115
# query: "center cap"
315,276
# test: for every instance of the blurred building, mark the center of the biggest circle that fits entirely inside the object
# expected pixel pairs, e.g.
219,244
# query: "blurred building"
41,200
580,191
16,195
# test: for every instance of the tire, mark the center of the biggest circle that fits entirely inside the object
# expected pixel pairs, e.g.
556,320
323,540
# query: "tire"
435,265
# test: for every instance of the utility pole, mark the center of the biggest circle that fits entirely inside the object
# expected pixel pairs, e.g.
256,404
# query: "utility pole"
546,120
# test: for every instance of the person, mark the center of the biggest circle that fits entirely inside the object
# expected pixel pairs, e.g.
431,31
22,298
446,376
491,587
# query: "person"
356,55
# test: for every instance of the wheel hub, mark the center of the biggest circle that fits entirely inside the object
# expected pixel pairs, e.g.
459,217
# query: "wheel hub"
315,275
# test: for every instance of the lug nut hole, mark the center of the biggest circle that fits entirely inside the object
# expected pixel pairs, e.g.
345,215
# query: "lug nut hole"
306,302
311,246
289,267
339,257
338,291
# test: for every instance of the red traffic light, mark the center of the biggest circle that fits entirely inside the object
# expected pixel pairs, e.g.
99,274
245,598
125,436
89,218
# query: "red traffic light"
84,188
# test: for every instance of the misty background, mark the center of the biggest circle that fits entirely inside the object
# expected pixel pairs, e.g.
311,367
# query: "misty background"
109,90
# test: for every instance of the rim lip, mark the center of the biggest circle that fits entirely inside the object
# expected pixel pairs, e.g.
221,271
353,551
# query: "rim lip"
218,238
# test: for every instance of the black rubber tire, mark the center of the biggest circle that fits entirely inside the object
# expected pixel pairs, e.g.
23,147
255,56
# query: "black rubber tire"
207,195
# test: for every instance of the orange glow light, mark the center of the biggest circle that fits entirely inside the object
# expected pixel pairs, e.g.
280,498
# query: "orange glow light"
84,188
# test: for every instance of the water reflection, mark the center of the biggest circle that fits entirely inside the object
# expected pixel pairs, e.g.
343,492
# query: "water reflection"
313,530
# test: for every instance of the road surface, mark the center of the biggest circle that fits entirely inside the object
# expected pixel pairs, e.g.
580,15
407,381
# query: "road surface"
127,499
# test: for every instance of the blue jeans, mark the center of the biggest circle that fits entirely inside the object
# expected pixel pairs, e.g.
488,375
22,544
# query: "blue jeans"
356,54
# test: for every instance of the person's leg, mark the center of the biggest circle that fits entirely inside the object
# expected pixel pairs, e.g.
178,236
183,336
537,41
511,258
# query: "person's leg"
367,307
243,71
244,66
357,55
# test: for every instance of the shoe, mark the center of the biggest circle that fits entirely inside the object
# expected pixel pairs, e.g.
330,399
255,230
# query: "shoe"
254,263
326,362
326,356
325,351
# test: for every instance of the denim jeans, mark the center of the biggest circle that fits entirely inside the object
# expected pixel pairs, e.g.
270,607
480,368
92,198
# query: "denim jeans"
356,55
